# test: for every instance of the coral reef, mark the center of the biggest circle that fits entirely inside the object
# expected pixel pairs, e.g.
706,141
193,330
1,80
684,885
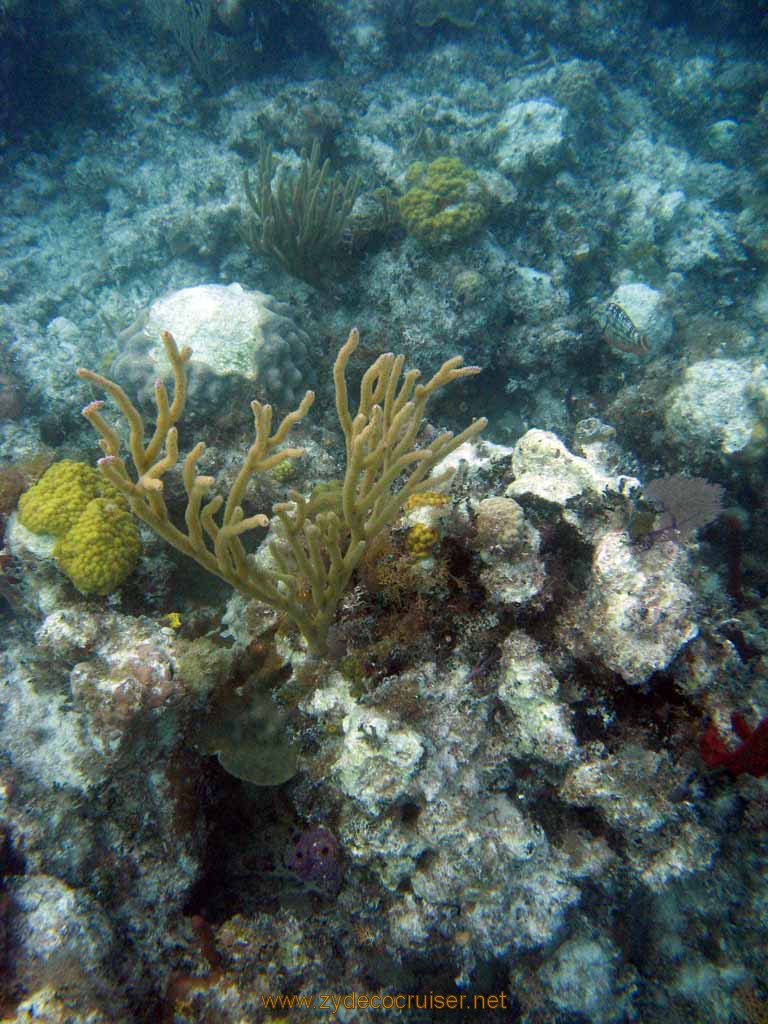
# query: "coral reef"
532,137
101,549
58,499
98,542
716,410
515,767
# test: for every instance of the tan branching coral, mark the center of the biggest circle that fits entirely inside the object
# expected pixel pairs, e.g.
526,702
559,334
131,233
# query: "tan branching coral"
320,547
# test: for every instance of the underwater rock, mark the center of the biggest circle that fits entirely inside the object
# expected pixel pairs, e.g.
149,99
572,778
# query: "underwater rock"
724,140
129,677
581,979
513,572
356,30
529,692
581,88
61,937
637,612
469,287
633,790
129,688
482,870
675,210
532,137
41,587
47,1006
706,661
378,760
691,850
534,297
721,406
629,790
496,864
544,468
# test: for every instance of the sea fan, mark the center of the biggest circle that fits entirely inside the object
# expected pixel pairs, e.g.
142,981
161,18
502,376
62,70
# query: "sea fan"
687,503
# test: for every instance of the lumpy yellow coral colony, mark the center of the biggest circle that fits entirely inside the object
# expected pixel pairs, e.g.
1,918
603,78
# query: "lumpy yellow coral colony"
101,549
98,540
445,202
58,499
420,540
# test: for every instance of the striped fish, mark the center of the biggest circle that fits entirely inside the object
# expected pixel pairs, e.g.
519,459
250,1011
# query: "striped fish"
619,331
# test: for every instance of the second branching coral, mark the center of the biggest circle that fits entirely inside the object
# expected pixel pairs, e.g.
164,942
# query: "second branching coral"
298,218
320,546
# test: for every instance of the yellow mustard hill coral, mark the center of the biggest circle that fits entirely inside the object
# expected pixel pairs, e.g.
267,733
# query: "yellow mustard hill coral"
445,203
101,549
420,540
58,499
284,471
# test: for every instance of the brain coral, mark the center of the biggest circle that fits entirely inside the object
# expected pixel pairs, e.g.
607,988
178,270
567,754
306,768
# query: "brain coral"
500,521
238,339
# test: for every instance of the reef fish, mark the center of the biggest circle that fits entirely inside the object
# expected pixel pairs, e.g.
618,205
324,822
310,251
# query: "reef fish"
619,331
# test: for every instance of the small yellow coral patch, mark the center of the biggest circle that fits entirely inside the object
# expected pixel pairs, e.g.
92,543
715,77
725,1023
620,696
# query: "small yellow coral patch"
421,540
445,203
284,471
425,499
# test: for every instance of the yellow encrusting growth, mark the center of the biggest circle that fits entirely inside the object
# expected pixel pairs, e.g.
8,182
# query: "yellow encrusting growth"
98,540
101,549
445,201
426,499
283,471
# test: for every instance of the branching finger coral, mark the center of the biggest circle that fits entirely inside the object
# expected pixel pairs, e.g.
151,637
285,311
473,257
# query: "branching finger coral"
321,545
